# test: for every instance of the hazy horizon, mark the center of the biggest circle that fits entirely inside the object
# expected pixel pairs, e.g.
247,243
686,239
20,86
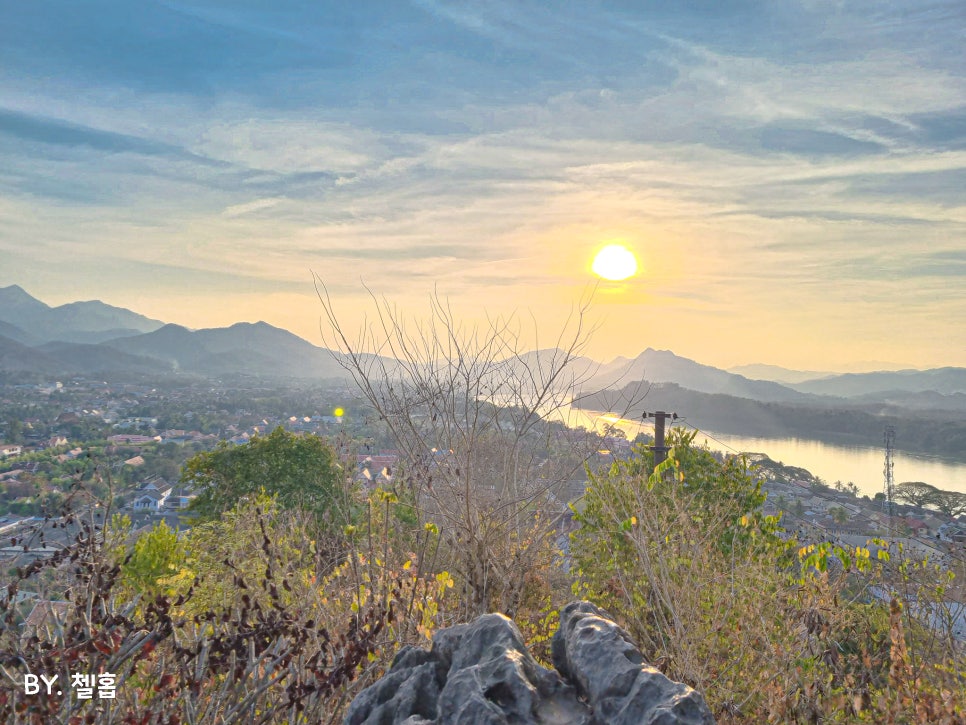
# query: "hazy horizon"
856,367
789,174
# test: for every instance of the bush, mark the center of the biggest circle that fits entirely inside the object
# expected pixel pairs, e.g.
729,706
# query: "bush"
769,631
251,618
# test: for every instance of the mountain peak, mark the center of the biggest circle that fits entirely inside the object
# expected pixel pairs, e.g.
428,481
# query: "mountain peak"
260,325
17,295
171,328
91,321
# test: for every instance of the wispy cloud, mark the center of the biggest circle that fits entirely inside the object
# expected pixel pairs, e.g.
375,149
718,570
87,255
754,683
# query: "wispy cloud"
746,151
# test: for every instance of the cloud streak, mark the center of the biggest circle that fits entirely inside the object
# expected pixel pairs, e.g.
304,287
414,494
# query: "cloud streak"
746,152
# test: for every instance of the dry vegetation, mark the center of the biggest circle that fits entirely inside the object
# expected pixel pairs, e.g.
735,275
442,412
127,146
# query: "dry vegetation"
263,614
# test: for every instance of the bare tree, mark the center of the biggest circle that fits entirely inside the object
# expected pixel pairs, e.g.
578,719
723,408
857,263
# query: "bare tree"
474,415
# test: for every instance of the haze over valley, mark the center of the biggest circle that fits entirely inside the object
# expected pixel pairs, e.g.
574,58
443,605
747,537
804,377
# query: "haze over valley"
92,339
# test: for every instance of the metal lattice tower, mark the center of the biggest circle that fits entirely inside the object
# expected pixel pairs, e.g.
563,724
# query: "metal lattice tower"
888,485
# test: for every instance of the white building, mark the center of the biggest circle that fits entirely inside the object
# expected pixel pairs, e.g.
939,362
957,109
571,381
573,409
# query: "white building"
151,497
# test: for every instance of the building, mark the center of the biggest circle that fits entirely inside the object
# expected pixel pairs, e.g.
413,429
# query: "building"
131,439
152,496
952,532
180,498
9,450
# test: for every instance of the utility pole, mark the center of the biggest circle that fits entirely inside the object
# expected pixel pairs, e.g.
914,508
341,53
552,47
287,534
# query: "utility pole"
660,450
889,438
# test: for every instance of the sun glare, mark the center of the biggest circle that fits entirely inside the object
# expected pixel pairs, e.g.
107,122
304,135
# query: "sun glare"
615,262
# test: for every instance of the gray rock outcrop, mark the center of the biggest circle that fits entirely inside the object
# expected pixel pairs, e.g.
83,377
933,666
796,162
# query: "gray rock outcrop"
482,674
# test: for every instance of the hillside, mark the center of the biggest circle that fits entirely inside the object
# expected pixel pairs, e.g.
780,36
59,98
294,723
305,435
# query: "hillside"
92,321
12,332
927,433
777,374
663,366
95,359
946,381
249,348
17,357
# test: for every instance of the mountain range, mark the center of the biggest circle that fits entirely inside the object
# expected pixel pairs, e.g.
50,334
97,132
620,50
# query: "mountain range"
29,321
93,338
244,348
663,366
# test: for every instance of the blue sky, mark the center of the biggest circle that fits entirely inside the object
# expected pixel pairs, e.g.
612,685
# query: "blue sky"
791,175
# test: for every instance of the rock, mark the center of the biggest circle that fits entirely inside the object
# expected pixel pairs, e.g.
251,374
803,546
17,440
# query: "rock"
407,693
609,671
482,674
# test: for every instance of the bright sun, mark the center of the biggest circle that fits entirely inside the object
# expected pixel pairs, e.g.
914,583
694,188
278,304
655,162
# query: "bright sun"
615,262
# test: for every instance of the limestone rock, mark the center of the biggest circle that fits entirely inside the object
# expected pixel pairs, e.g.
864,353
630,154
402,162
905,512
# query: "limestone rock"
609,671
482,674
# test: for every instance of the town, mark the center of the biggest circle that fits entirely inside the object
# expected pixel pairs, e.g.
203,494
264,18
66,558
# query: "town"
128,440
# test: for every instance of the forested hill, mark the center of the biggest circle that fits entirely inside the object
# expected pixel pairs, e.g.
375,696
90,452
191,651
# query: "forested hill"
931,433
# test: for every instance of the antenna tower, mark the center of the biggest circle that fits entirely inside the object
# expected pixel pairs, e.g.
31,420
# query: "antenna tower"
889,485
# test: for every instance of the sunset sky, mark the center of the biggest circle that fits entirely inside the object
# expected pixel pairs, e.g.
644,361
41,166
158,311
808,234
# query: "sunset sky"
790,175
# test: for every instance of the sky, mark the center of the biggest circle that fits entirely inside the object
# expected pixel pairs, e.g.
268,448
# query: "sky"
790,174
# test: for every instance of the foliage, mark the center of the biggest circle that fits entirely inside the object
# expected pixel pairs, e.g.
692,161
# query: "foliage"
294,635
154,557
915,493
918,493
951,503
661,550
839,514
469,411
768,630
300,470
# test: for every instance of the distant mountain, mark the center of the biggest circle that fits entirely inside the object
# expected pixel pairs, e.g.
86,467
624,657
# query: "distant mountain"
546,362
873,366
173,344
946,381
663,366
927,400
12,332
99,334
84,359
245,348
928,432
17,357
15,302
777,374
89,322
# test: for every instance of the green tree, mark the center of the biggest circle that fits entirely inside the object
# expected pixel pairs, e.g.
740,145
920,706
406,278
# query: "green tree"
839,514
701,580
916,493
14,431
686,558
952,503
300,471
155,556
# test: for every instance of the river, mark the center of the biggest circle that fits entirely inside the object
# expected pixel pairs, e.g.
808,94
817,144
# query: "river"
862,465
